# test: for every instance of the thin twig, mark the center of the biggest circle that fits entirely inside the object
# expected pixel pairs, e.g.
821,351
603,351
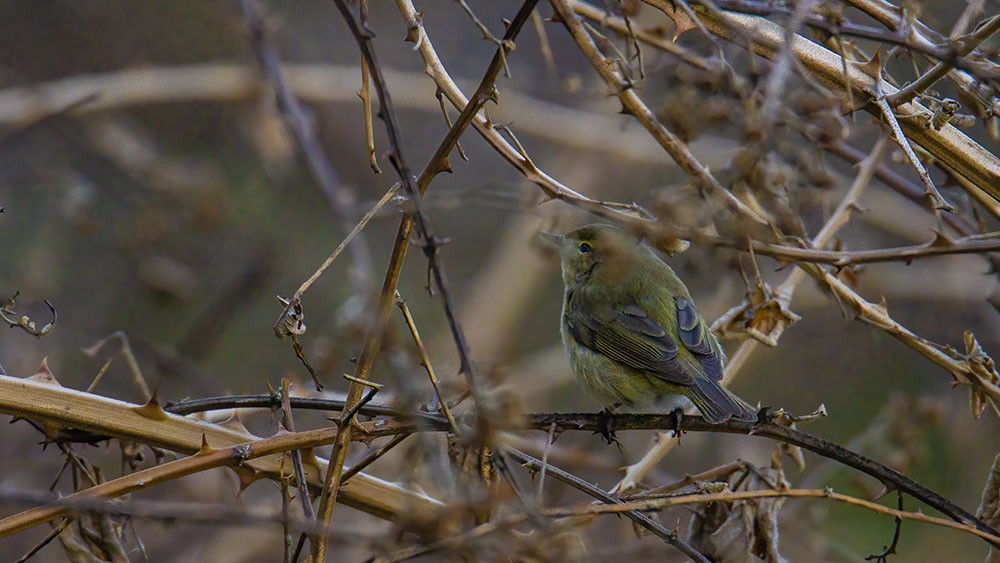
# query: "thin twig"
366,99
734,496
300,123
425,361
938,71
300,353
372,457
389,194
545,463
130,360
938,202
56,530
891,548
300,473
939,246
671,537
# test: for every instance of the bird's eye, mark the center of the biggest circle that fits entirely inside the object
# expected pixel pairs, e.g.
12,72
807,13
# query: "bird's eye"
584,248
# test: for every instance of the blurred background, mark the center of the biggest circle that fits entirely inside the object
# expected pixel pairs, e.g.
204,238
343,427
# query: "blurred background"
173,207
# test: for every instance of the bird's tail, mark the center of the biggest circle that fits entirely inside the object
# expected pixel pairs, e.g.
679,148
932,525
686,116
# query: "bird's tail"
718,405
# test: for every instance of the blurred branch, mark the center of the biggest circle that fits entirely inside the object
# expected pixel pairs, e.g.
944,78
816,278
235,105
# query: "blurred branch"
303,128
166,511
45,116
765,38
636,516
316,84
415,219
632,104
651,37
205,458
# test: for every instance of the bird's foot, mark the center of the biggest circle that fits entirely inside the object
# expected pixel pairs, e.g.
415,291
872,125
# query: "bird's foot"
763,417
605,426
678,415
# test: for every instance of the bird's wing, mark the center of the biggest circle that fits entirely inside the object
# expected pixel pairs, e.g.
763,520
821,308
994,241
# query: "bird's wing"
628,335
696,337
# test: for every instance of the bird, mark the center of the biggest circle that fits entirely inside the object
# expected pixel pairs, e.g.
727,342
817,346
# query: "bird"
634,337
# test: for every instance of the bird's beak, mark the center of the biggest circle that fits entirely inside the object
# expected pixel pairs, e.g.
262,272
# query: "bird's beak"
551,239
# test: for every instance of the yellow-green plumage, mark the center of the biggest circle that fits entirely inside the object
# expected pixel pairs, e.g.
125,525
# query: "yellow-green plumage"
634,338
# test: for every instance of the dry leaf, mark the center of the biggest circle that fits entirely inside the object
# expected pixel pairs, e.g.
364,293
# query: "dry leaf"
744,531
762,316
983,371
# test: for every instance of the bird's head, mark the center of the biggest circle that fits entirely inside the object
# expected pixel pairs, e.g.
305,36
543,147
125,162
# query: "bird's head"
598,250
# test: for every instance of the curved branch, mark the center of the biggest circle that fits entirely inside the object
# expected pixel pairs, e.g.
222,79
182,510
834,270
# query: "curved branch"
646,504
892,479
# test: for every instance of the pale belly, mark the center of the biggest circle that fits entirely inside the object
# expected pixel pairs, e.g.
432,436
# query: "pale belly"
618,388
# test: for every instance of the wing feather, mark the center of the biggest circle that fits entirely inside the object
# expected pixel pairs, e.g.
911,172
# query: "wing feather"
630,337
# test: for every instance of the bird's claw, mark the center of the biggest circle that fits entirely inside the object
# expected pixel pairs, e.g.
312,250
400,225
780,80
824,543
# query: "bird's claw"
678,415
604,426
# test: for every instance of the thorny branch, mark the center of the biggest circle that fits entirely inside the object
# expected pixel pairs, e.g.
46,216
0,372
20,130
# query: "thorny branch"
890,478
544,422
621,86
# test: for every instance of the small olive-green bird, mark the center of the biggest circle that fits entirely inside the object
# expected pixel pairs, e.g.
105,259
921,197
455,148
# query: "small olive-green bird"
634,338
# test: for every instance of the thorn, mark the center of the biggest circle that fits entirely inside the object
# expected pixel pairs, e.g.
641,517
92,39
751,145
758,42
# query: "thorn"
151,410
873,67
940,239
413,33
205,449
44,374
246,475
